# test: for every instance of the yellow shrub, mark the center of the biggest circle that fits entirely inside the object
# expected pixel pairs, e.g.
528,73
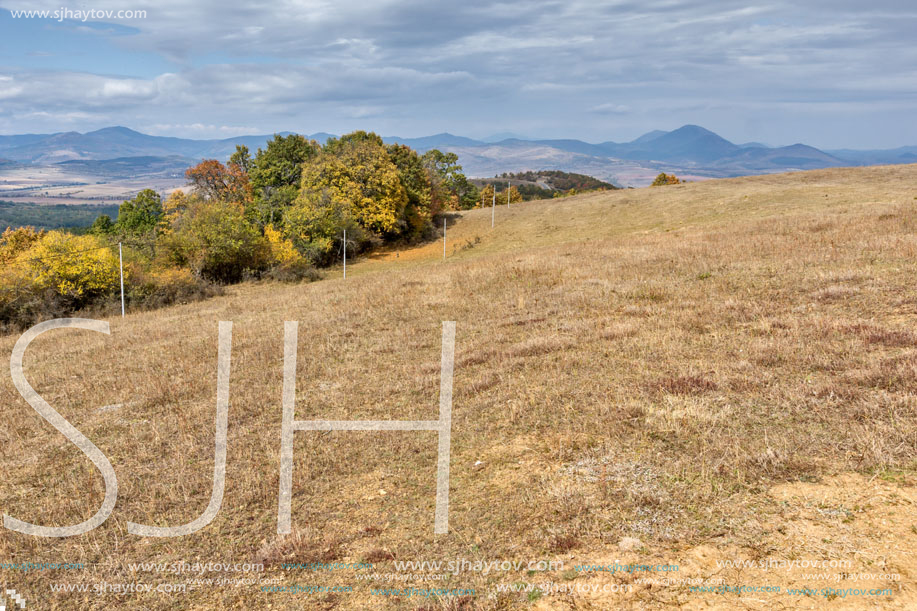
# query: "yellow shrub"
74,267
283,252
14,242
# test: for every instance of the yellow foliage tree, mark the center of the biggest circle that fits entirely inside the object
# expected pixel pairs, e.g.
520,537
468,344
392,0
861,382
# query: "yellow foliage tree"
487,196
514,196
359,173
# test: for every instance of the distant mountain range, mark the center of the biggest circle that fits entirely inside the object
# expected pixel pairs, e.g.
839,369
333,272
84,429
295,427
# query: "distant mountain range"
116,142
690,146
690,150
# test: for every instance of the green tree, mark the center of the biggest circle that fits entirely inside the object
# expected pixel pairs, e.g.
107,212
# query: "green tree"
335,145
138,219
280,163
140,214
416,183
276,173
103,225
449,186
242,159
269,208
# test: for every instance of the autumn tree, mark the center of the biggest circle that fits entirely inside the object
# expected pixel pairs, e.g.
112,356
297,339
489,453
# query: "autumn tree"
213,180
514,195
13,242
316,223
61,269
356,170
486,197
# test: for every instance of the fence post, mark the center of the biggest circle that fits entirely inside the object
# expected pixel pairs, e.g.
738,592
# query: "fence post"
121,268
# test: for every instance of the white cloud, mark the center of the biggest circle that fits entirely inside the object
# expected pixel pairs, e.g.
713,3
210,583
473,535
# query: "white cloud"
201,130
510,64
610,109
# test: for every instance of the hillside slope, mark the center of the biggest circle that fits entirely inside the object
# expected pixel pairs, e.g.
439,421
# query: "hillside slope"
675,376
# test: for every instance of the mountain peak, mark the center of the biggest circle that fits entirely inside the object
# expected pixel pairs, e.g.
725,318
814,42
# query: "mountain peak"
117,129
695,130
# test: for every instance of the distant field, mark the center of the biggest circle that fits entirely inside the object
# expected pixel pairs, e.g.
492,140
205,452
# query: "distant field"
81,183
718,376
54,216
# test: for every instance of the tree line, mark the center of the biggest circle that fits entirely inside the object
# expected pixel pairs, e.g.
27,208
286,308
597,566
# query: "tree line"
279,214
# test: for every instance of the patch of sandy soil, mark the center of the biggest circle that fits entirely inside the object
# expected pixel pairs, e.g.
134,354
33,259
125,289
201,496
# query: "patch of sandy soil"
859,532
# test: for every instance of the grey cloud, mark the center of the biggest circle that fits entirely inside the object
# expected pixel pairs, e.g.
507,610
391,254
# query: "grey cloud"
481,66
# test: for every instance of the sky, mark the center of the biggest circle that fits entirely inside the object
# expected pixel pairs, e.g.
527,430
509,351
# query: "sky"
830,73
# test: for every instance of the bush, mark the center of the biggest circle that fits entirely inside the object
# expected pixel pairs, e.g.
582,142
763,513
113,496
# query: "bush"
287,264
215,240
665,179
16,241
77,268
159,288
48,275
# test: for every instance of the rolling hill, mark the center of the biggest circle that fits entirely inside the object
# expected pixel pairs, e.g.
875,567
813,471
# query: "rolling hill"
120,142
662,377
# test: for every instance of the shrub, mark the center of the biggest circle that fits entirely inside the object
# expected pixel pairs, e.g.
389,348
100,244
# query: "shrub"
215,240
287,264
15,241
158,288
51,274
665,179
77,268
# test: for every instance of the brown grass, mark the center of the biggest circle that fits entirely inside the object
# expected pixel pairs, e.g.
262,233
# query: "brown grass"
644,363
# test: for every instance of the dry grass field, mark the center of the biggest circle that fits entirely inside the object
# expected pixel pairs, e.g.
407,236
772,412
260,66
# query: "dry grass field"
688,375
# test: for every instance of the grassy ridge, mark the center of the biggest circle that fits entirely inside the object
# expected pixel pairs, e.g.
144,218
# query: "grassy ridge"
648,363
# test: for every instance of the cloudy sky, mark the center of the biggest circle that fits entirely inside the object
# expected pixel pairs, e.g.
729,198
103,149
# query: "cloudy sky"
836,73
